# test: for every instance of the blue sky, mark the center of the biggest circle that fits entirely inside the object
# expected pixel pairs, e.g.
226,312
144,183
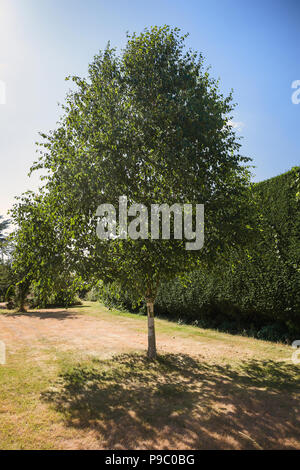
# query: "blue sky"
254,47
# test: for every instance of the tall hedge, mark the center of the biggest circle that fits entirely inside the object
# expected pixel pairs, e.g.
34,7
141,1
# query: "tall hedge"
255,290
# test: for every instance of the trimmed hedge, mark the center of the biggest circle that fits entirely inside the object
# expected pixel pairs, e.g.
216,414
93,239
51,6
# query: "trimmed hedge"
256,291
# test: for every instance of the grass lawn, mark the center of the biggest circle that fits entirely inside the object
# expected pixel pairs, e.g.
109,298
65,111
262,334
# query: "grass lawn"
79,379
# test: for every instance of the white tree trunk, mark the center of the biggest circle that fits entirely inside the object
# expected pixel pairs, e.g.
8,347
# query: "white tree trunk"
151,330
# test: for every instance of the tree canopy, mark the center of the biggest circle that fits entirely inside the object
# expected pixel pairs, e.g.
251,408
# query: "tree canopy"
149,123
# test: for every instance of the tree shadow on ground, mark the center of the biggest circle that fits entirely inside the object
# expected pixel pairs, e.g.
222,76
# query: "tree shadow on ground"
44,315
180,402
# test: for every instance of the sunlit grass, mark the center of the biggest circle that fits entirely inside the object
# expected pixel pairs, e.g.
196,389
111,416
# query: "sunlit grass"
51,398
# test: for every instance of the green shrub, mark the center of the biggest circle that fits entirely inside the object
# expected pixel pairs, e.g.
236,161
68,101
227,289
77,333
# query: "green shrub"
63,294
93,295
275,332
113,296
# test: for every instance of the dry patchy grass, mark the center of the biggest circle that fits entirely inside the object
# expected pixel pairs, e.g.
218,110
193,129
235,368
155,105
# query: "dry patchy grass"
79,379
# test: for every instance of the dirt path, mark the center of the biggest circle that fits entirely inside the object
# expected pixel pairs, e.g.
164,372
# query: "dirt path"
67,330
103,335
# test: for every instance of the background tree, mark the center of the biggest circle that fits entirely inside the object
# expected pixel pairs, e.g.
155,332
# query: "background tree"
5,268
4,224
40,255
150,124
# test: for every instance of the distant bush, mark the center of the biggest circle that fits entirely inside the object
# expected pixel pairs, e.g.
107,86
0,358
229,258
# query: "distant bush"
274,332
64,293
57,299
92,295
114,296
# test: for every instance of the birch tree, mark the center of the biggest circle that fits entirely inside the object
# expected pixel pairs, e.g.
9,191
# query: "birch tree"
150,123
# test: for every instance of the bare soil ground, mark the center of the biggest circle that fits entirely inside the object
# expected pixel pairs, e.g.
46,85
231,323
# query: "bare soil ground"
79,379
